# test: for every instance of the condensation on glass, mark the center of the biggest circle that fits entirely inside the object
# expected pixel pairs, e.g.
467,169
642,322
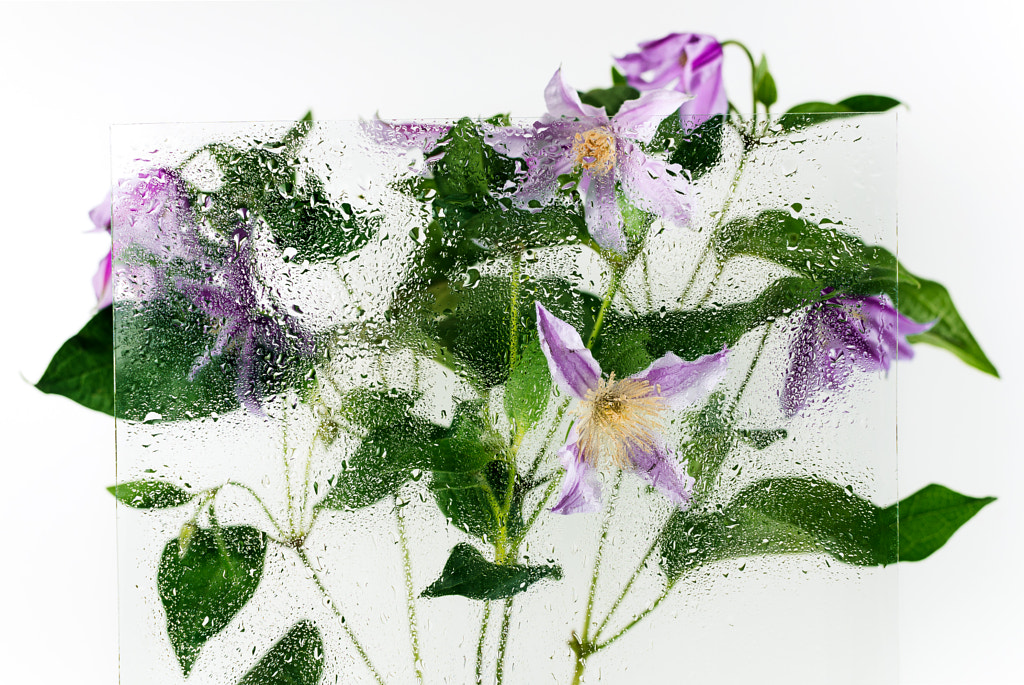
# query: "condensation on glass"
288,302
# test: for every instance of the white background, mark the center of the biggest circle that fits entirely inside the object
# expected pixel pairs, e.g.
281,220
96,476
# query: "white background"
68,71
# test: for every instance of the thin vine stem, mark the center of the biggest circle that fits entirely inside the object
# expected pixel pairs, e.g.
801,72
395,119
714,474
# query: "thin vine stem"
639,617
259,500
410,593
613,287
337,612
479,679
506,618
592,593
750,371
626,589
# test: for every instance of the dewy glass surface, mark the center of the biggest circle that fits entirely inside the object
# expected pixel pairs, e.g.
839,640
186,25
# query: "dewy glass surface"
300,315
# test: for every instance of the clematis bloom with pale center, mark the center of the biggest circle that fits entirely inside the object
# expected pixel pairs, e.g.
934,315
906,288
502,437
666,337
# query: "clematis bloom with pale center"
621,420
604,151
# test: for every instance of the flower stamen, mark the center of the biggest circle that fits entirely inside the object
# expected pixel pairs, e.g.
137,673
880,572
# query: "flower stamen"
619,418
594,150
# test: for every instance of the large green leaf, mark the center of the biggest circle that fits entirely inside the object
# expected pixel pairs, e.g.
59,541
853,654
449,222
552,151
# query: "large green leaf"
803,515
474,501
296,659
204,588
928,518
810,113
150,494
399,443
930,301
468,574
822,252
83,368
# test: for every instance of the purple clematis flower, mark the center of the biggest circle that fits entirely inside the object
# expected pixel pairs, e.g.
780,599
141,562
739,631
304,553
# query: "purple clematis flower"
692,61
838,335
621,419
574,138
103,280
249,322
405,136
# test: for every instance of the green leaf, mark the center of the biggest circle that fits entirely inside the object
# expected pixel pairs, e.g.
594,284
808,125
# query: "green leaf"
869,103
203,589
296,659
820,112
618,78
157,347
930,301
474,501
694,333
760,438
468,574
609,98
928,518
695,149
710,443
528,388
764,84
150,494
821,252
83,368
804,515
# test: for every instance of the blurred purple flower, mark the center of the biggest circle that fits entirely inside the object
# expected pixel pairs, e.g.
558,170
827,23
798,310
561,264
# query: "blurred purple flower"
103,280
405,136
577,138
249,323
621,418
692,61
838,335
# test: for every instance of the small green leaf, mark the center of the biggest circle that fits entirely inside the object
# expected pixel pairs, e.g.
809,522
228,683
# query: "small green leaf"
473,501
618,78
930,301
611,99
296,659
817,108
764,84
204,588
711,441
83,368
869,103
468,574
820,112
928,518
528,388
150,494
761,438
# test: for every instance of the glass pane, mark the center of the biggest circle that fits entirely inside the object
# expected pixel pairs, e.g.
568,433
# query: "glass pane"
497,401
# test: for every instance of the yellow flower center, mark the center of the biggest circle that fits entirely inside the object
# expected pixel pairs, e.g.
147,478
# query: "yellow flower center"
594,150
617,418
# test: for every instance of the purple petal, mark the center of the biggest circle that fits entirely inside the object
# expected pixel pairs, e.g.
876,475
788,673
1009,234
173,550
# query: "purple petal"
103,282
404,135
563,101
581,489
573,368
662,469
639,119
100,214
601,210
682,383
657,187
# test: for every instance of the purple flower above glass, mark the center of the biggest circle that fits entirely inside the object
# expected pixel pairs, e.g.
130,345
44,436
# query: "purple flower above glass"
250,324
406,136
621,419
838,335
691,62
578,139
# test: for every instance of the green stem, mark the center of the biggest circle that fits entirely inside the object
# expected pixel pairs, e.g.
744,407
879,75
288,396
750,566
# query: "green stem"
533,516
513,310
479,680
410,593
626,589
277,526
750,371
337,612
753,70
592,593
532,472
639,617
613,286
711,241
506,618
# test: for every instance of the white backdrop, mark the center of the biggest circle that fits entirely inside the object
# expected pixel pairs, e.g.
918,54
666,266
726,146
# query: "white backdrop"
69,71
